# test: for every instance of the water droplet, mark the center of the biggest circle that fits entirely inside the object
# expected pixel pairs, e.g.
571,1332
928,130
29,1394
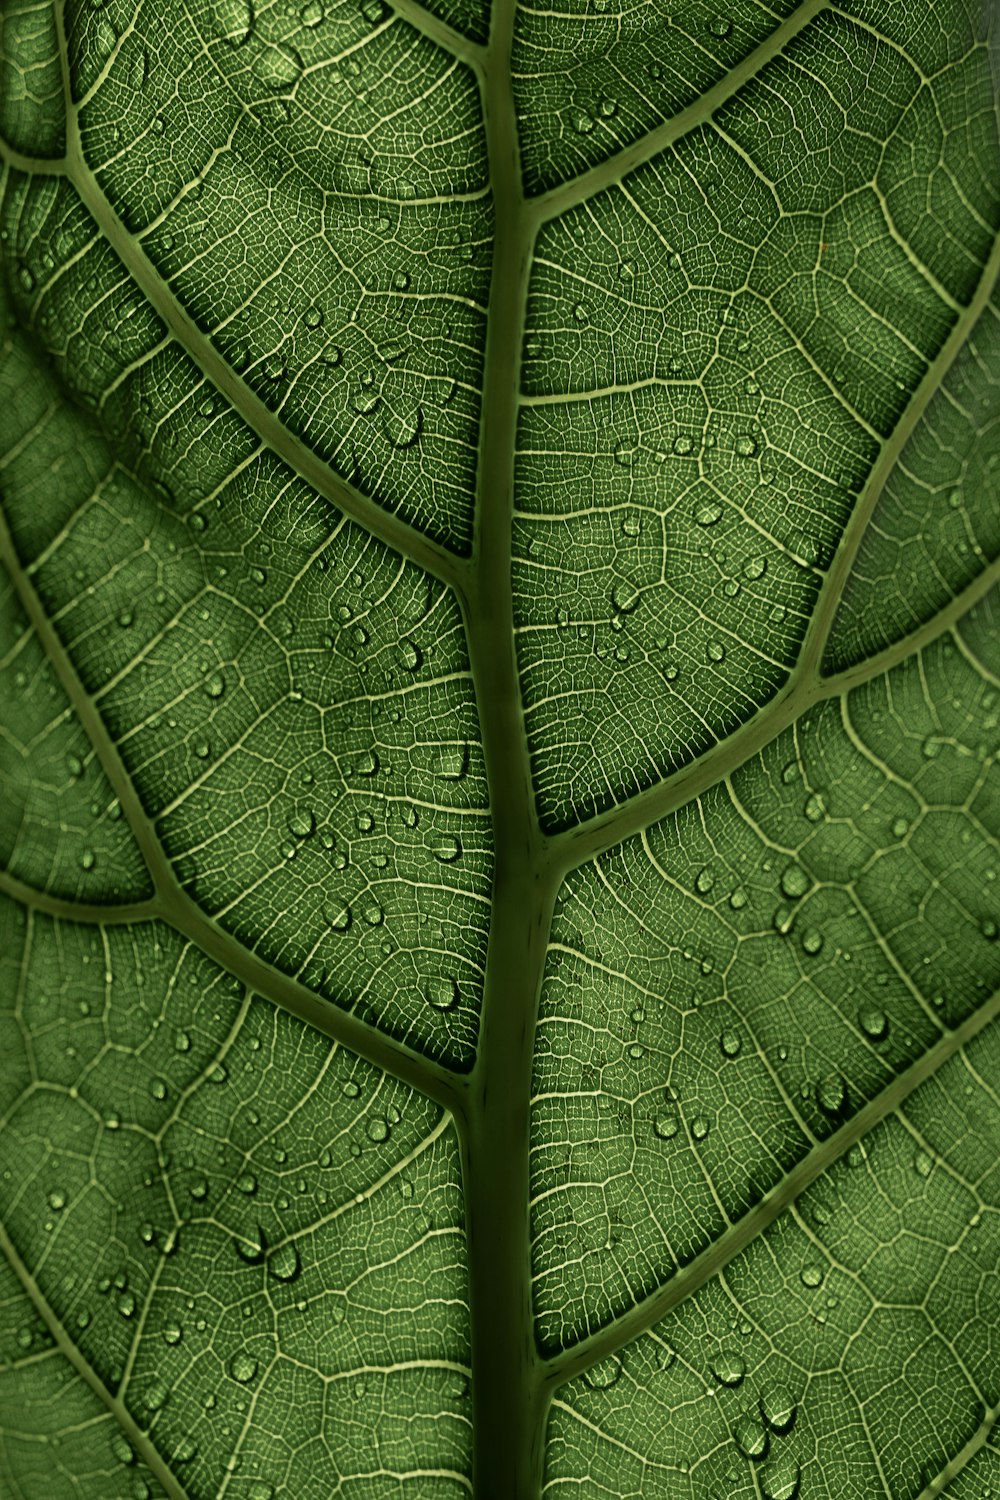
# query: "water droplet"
604,1374
451,762
750,1437
707,513
923,1164
377,1130
779,1478
682,445
812,941
251,1245
233,21
373,913
302,823
312,14
729,1368
242,1367
624,597
447,849
105,38
720,26
173,1333
811,1276
746,446
278,66
88,859
215,685
699,1128
831,1094
57,1200
402,429
156,1396
738,898
704,881
581,122
794,882
284,1263
730,1042
900,828
989,929
715,651
779,1408
873,1022
815,808
441,993
665,1126
247,1183
410,655
338,916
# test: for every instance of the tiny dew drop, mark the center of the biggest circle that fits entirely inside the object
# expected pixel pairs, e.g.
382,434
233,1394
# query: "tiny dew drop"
246,1183
815,808
215,685
302,823
720,26
581,122
746,446
812,941
377,1130
402,429
604,1374
715,651
441,993
731,1043
699,1127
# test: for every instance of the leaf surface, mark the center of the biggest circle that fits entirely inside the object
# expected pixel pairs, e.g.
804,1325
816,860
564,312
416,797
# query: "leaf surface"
499,686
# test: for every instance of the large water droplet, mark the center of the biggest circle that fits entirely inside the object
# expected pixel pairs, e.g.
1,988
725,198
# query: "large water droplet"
779,1408
451,762
604,1374
624,597
233,20
750,1437
665,1126
278,67
403,429
794,882
831,1094
243,1367
873,1022
779,1478
251,1245
447,849
441,993
729,1368
302,823
284,1263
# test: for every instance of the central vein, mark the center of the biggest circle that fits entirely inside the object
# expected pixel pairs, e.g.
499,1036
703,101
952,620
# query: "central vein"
507,1375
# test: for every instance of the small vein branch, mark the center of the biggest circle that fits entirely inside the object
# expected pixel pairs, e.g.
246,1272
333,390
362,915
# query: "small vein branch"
66,909
569,1362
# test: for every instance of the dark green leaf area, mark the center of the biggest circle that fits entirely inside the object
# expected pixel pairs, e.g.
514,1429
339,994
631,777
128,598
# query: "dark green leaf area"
244,1219
292,700
61,826
718,346
843,1353
728,988
311,183
936,523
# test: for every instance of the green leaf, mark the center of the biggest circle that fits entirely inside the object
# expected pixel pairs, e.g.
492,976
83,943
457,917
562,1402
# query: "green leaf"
499,692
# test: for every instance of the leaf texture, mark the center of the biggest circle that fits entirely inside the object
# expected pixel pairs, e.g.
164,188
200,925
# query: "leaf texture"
499,691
